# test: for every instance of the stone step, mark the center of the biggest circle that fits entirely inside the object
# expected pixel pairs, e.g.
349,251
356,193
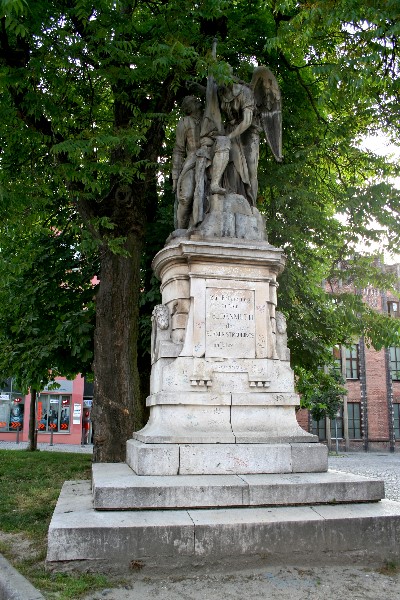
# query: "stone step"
117,487
87,539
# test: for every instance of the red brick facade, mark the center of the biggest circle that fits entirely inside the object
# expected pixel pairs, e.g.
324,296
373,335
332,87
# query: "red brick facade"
373,422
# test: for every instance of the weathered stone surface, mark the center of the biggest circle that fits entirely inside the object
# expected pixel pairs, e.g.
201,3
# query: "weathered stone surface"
79,533
230,325
152,459
224,459
195,423
294,531
312,488
270,422
309,458
89,539
199,397
224,456
231,532
13,586
117,487
262,397
227,384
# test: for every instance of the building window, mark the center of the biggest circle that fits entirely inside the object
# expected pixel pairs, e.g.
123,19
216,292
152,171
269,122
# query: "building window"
53,413
11,413
354,414
396,418
337,359
395,363
394,309
319,428
352,362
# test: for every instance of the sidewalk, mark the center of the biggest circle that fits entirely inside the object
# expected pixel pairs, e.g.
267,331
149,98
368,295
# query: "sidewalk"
87,449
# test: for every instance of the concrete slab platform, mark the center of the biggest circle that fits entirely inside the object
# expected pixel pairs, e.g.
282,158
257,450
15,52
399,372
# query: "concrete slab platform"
79,533
117,487
368,530
83,538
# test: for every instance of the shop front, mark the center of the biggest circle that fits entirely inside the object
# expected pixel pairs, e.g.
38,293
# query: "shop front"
60,414
12,409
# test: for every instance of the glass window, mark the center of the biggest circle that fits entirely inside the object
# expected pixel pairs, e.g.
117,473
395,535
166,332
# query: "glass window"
394,309
352,367
337,359
319,428
395,363
11,412
53,412
354,413
65,415
396,415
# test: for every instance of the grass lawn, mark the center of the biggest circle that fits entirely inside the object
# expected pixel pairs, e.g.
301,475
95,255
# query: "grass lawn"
30,483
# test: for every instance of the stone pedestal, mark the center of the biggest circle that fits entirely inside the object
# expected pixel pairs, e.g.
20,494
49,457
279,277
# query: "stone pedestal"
222,391
222,470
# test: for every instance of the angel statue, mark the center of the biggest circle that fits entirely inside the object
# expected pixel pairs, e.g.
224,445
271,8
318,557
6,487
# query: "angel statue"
248,109
227,151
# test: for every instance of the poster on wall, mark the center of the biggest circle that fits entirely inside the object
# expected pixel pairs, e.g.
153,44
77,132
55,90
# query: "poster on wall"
16,415
4,415
76,415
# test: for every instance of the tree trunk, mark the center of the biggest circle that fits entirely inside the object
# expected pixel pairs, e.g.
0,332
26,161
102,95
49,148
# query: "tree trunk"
117,409
32,422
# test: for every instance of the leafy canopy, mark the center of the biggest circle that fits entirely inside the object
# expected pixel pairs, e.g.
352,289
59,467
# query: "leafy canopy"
90,95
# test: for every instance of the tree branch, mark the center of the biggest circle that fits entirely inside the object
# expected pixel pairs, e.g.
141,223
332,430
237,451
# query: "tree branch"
305,87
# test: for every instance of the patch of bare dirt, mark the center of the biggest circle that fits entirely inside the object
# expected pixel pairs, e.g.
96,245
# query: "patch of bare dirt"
272,583
16,547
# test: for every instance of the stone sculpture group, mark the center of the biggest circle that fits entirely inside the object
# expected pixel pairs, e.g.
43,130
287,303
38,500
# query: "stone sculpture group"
215,159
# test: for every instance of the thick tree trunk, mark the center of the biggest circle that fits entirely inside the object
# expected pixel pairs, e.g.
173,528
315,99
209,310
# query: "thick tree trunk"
117,409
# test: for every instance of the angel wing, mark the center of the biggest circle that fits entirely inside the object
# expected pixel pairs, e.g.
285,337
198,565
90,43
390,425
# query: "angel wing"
268,102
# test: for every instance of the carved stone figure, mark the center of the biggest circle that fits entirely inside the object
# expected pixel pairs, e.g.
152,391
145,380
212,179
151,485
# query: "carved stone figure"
184,160
248,109
222,151
161,316
281,337
160,328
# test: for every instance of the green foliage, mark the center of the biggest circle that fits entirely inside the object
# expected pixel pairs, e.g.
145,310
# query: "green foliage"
30,486
321,391
46,302
89,96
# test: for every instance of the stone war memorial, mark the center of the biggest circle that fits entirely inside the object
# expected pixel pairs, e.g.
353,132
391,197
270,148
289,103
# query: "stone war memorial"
222,472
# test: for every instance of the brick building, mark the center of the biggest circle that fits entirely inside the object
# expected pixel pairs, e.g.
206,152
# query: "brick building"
370,417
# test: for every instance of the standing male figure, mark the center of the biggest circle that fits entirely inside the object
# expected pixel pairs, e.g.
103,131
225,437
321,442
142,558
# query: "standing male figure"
184,160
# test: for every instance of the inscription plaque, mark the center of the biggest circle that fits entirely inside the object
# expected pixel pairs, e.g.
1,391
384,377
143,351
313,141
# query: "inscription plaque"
230,324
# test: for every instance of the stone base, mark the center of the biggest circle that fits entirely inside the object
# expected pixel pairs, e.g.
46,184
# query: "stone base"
117,487
83,538
231,216
225,459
